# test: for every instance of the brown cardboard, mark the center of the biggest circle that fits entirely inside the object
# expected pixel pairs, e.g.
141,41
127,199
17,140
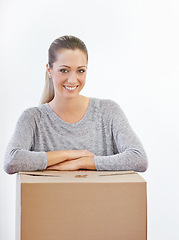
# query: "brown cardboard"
81,205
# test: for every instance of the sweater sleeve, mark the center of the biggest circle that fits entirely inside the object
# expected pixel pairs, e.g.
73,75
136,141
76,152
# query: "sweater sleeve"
131,154
19,155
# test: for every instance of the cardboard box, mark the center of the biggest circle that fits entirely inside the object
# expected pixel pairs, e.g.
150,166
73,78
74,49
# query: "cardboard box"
81,205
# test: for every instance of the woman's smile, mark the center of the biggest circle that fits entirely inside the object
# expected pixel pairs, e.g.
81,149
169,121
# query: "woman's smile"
70,88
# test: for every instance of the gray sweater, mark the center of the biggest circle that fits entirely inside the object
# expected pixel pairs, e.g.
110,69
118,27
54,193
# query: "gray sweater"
104,131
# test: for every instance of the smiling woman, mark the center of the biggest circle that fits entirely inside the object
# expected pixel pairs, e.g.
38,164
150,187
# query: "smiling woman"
66,49
69,131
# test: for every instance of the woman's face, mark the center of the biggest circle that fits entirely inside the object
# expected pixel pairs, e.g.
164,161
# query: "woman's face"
69,72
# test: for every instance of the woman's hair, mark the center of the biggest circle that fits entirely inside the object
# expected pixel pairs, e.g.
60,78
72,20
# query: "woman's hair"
64,42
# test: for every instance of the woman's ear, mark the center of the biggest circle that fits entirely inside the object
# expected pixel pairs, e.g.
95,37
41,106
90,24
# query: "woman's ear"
48,70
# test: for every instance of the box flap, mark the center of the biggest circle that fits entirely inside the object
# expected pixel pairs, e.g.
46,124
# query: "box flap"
84,176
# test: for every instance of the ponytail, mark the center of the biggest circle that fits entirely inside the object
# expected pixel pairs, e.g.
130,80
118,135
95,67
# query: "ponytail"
48,92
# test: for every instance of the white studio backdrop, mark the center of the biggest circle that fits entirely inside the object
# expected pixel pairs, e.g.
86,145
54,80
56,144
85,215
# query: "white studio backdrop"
133,59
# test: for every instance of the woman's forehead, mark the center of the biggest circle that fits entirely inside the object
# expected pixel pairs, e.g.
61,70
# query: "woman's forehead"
65,56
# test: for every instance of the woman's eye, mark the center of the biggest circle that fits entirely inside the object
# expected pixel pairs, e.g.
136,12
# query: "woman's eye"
63,70
81,71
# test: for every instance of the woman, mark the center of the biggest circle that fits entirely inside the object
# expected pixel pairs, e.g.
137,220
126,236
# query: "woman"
69,131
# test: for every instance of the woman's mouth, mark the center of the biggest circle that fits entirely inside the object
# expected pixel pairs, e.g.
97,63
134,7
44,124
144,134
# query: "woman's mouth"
70,88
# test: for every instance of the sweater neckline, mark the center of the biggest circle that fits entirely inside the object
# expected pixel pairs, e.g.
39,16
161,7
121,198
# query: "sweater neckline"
55,117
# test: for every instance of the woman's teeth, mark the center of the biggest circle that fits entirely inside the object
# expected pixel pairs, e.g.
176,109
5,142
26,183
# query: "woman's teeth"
70,88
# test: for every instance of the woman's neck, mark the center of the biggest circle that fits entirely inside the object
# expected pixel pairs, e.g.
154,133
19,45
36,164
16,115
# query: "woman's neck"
66,104
70,109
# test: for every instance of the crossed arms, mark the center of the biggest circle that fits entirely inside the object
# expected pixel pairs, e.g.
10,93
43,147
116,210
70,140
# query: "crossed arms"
70,160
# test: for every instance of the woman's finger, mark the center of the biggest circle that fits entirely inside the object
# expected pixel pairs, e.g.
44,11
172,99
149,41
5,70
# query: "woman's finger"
74,154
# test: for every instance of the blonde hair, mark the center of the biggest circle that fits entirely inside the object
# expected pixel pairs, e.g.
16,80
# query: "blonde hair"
64,42
48,92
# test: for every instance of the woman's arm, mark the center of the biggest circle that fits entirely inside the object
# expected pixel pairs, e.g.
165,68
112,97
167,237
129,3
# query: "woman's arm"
19,155
130,160
55,158
130,152
75,164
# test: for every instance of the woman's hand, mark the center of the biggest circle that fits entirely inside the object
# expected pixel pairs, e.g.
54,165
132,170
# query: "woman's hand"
74,154
56,157
76,164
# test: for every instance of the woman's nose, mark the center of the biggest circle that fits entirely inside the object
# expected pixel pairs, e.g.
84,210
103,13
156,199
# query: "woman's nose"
72,79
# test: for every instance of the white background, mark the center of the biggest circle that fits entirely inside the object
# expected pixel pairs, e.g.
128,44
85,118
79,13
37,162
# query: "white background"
133,59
